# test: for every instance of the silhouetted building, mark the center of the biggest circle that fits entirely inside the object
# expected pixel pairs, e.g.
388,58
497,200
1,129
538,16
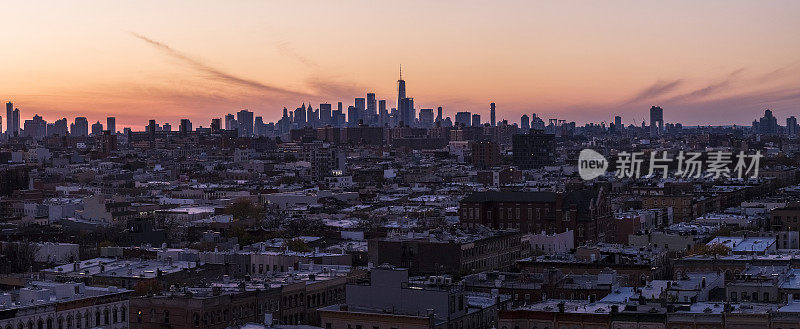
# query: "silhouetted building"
492,115
533,150
245,120
656,121
476,120
485,154
426,118
325,114
80,128
111,124
525,123
97,128
463,119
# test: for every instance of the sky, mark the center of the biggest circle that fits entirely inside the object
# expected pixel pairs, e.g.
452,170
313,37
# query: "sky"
704,62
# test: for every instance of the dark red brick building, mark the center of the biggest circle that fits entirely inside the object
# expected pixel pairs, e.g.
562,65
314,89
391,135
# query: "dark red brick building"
585,211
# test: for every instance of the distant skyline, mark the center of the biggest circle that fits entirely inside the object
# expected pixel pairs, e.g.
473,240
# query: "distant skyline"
711,62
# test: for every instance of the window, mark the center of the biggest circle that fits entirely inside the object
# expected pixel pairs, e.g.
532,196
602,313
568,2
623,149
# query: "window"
327,325
166,316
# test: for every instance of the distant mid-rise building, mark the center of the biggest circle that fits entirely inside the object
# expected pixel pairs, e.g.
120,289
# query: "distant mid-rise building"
485,154
533,150
35,128
791,126
97,129
766,125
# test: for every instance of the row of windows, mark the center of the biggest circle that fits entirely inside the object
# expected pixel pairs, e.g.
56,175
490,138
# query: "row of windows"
78,321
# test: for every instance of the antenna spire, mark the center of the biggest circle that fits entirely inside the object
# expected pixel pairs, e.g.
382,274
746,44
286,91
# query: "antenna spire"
401,71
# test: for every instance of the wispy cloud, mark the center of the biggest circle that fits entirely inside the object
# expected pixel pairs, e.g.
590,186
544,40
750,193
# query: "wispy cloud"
657,89
331,87
214,73
710,89
287,49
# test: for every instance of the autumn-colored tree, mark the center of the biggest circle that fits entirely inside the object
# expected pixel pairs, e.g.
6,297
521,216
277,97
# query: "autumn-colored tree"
714,249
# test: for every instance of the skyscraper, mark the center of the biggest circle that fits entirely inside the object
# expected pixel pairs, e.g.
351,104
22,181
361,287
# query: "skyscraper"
383,114
656,121
372,108
463,118
476,120
492,114
80,128
325,114
111,125
406,111
791,126
426,118
216,123
361,111
9,118
230,122
245,120
618,122
15,121
439,114
401,93
300,116
185,127
525,123
352,116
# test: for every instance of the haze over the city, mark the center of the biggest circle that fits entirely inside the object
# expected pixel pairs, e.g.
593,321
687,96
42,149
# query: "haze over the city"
711,62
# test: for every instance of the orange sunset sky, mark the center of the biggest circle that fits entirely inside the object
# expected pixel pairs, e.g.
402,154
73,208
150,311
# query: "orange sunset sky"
704,62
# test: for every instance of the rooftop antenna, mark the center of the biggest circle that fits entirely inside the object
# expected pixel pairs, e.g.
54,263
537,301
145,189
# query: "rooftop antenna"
401,71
